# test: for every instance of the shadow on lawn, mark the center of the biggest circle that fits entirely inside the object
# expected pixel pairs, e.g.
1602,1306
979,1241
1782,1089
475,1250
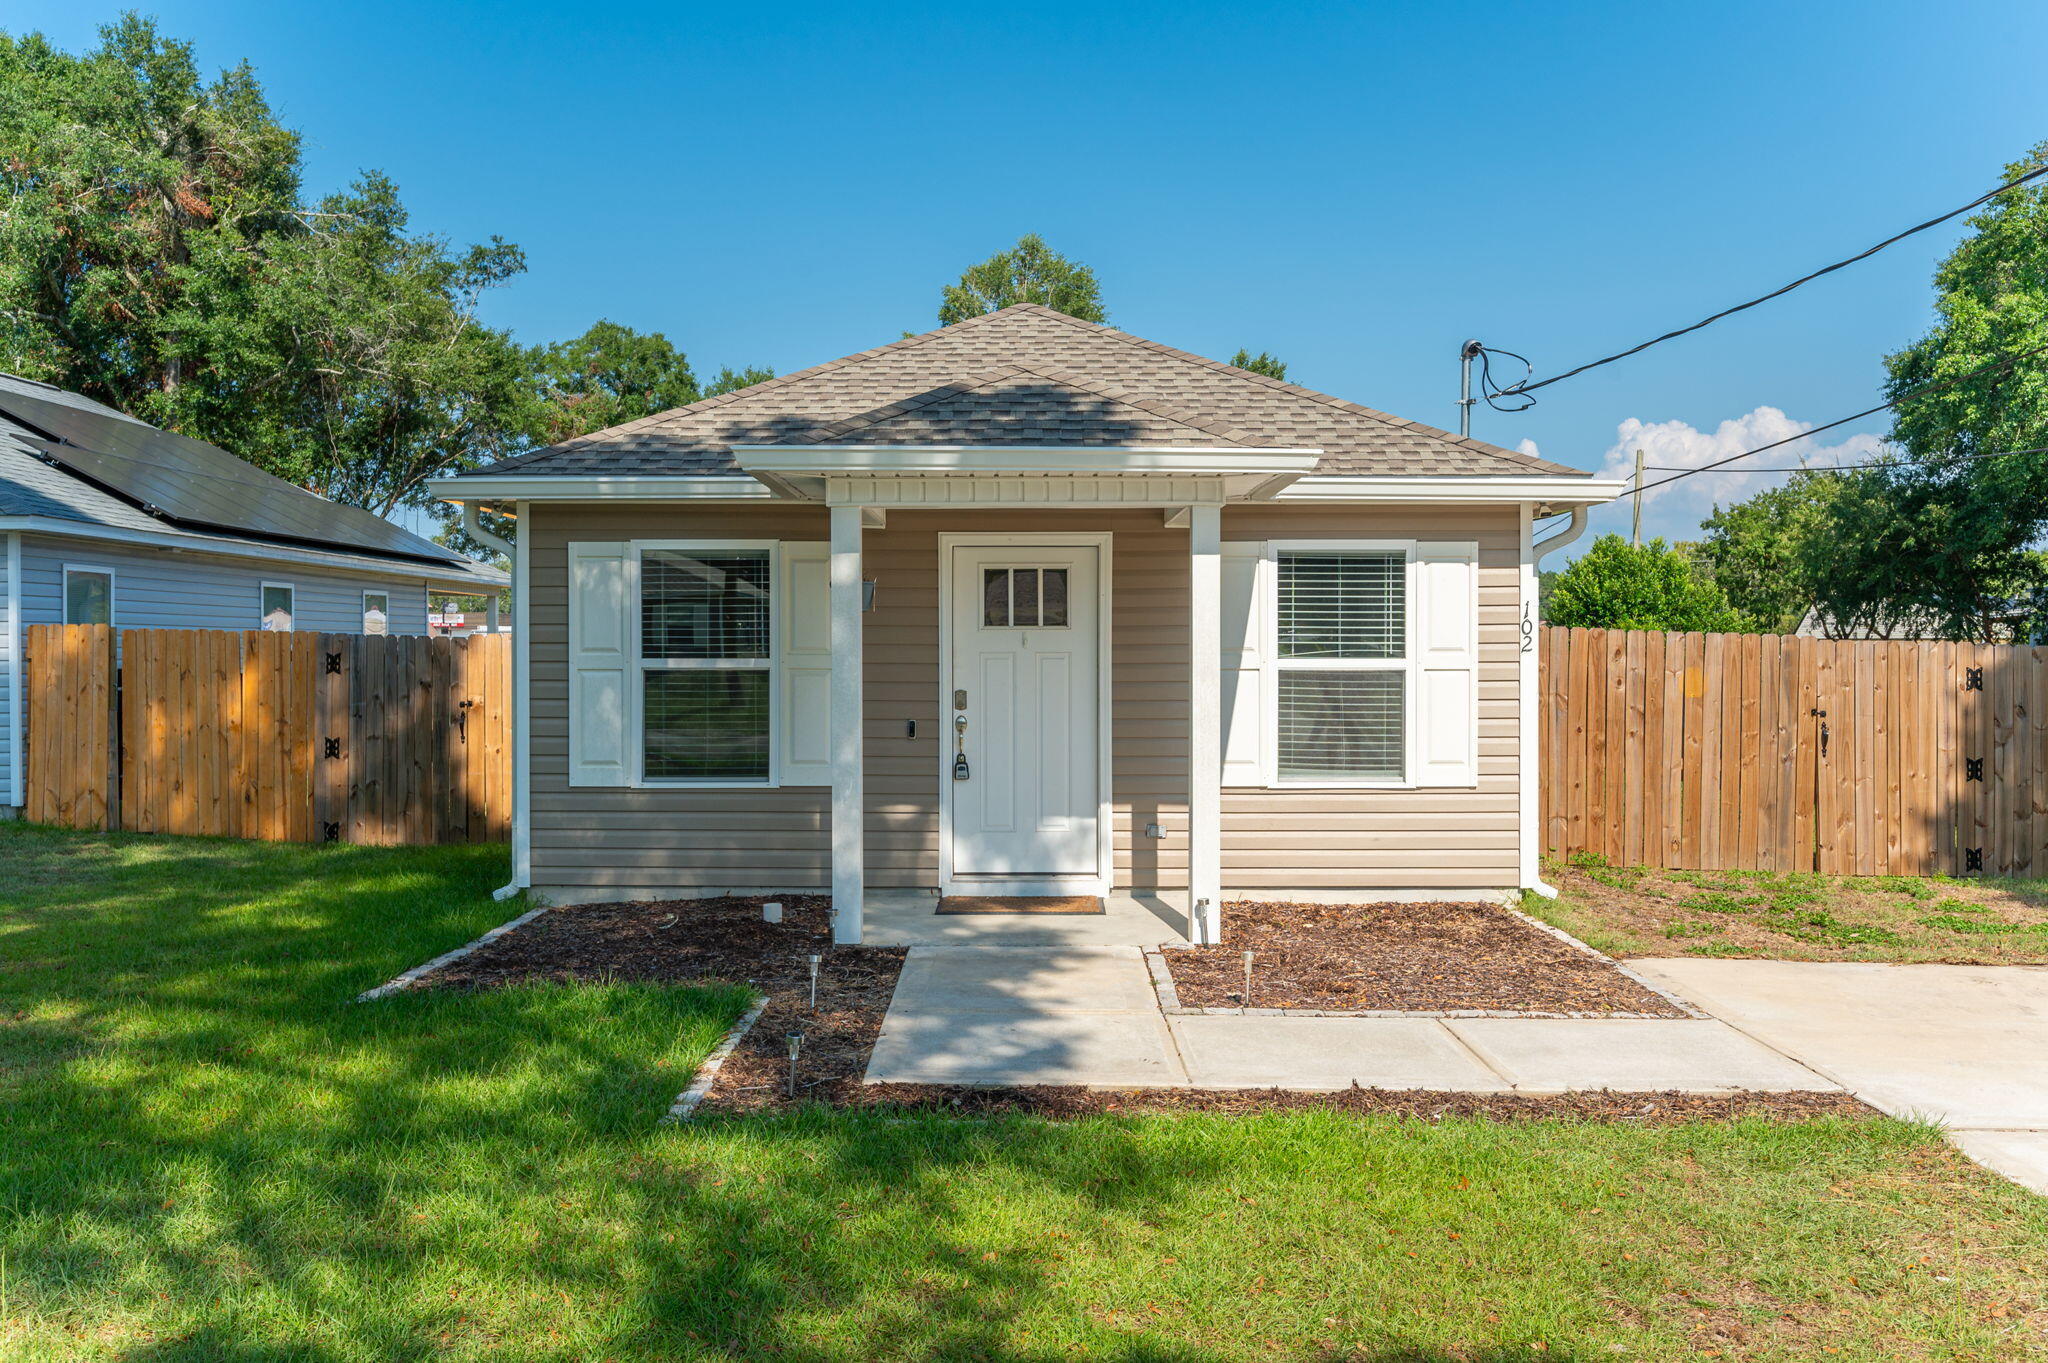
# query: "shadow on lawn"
212,1150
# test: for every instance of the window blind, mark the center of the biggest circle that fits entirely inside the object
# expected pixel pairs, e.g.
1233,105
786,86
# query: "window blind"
704,603
701,724
1342,605
1342,725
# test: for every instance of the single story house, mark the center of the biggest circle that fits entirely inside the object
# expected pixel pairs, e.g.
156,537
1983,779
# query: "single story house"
107,520
1021,606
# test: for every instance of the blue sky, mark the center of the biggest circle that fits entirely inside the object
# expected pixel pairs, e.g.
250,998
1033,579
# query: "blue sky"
1356,188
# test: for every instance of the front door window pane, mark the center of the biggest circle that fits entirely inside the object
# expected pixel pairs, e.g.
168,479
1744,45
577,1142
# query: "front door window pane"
1023,598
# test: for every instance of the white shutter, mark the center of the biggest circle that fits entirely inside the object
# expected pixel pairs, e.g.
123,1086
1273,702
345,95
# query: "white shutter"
805,686
1447,664
1246,606
600,657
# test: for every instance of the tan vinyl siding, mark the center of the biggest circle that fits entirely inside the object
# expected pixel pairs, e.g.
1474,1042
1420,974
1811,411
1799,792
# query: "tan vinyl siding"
1435,838
622,838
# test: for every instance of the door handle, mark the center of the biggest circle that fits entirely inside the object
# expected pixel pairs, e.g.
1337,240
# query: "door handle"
960,769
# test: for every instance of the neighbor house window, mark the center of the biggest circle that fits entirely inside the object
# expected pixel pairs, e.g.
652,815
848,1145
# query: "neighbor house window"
277,606
376,612
1341,666
707,633
88,596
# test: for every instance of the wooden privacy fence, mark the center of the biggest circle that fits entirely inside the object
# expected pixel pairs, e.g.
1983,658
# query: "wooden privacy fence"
1775,753
288,737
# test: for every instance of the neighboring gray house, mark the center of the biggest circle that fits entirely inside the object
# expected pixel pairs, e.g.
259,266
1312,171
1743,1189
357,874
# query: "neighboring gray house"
107,520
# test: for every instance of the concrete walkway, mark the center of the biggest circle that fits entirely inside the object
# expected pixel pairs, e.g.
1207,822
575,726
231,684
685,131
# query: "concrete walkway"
1088,1015
1964,1045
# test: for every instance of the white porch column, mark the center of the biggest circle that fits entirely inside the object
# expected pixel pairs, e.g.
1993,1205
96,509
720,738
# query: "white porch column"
1205,724
849,795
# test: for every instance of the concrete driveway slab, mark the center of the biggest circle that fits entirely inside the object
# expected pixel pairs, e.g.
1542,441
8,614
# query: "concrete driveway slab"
1035,979
1966,1045
1560,1055
1248,1051
1121,1050
2021,1156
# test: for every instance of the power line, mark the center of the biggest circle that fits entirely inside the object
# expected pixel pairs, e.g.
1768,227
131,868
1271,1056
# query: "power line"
1835,468
1939,384
1525,387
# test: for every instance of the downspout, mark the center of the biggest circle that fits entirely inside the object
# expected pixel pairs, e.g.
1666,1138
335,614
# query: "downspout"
1572,531
17,751
522,788
1530,761
475,530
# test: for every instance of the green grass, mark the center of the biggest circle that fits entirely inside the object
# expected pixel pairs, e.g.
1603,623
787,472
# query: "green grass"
210,1153
1797,915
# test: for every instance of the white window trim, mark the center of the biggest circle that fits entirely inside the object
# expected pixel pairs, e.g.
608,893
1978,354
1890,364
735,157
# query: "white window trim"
262,615
638,666
367,594
112,584
1273,665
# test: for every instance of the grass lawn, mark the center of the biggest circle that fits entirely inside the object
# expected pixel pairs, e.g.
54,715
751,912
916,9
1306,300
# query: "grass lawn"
208,1152
1795,916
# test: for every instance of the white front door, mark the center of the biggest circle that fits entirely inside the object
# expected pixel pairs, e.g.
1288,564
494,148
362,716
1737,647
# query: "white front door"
1022,699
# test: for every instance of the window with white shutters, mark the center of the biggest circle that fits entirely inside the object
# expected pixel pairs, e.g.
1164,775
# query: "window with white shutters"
1341,666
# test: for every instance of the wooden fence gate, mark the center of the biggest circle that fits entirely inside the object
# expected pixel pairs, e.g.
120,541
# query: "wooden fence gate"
1777,753
284,736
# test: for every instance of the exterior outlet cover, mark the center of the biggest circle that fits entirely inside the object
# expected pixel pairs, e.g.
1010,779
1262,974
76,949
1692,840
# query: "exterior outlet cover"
1153,830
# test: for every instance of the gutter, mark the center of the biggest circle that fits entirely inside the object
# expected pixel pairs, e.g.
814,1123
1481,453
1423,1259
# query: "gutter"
420,570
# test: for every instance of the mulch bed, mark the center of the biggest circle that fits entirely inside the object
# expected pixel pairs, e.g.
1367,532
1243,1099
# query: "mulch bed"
1422,957
700,940
1651,1109
693,941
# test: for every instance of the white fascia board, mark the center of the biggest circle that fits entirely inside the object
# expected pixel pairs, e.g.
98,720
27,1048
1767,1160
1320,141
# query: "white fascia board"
479,577
1549,490
596,488
824,460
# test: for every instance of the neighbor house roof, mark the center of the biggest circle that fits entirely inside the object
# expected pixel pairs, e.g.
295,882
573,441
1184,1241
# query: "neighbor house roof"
1025,375
46,478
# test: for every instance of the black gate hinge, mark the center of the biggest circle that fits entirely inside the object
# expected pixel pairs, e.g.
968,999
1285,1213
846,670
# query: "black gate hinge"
1973,768
1973,679
1973,858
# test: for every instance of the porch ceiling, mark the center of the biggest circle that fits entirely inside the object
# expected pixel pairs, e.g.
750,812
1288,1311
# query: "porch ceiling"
939,475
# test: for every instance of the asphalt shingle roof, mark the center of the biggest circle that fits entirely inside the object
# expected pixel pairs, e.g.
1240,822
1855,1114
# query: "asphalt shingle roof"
1025,375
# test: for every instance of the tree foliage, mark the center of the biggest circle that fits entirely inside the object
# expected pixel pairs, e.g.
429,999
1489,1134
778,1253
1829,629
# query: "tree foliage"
118,166
1761,551
1029,272
612,374
1616,585
1941,539
1261,363
156,253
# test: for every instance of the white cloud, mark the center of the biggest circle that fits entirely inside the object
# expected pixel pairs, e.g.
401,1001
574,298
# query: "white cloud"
1674,511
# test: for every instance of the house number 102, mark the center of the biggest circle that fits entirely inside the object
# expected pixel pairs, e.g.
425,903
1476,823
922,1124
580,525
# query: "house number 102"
1528,628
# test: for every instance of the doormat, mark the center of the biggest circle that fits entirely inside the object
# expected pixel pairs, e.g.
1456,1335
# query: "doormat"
1043,903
